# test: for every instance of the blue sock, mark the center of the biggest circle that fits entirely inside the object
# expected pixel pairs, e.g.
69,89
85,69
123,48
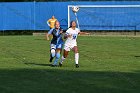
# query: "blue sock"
56,58
53,54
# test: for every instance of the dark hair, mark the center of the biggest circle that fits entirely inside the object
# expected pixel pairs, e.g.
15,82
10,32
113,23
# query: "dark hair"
71,23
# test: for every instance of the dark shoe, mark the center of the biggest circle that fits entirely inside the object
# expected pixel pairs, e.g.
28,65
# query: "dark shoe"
77,66
60,64
51,59
54,65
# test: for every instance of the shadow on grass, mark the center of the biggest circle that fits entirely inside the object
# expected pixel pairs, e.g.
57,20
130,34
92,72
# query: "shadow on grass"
41,39
66,81
137,56
38,64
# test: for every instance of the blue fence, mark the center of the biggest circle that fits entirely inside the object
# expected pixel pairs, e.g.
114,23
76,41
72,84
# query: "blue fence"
33,16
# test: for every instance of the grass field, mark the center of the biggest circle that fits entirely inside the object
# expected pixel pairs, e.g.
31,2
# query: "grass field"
107,65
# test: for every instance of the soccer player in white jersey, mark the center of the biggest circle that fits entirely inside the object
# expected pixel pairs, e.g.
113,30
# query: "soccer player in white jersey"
71,43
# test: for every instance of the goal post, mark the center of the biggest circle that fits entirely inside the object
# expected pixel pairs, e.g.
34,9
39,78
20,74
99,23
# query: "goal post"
106,17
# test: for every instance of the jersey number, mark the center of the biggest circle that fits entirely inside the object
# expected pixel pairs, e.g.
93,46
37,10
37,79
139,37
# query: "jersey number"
74,36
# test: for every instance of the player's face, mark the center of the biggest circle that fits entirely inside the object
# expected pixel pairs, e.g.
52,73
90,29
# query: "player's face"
57,25
73,24
53,17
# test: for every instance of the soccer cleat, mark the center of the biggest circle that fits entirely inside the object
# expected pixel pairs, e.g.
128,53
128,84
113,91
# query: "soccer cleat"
51,58
54,65
60,64
77,66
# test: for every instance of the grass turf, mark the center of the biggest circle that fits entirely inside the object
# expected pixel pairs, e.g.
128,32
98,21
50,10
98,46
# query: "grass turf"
107,65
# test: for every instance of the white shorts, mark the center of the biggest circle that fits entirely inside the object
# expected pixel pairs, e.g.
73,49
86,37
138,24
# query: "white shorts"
68,47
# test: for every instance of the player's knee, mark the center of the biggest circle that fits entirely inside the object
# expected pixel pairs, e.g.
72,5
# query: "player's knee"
76,51
53,52
57,55
65,56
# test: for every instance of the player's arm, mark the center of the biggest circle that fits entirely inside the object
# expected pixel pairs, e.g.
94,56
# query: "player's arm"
61,31
48,22
67,34
84,33
48,34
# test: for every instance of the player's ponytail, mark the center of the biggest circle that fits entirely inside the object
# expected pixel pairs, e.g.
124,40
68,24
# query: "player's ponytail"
70,24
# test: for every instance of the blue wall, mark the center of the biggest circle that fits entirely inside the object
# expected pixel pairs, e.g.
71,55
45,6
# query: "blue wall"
33,16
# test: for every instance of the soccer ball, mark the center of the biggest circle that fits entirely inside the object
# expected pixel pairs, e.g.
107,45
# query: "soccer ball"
75,9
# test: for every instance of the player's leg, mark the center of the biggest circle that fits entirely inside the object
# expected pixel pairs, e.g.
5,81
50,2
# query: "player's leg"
57,55
65,54
52,52
75,50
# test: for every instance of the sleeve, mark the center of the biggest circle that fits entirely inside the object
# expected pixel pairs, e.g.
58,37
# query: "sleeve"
48,20
78,30
50,32
68,31
59,34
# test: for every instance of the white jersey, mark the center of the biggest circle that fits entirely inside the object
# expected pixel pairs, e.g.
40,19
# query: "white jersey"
72,40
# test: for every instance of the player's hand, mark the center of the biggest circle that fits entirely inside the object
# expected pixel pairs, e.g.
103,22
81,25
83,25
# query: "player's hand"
48,39
61,32
69,35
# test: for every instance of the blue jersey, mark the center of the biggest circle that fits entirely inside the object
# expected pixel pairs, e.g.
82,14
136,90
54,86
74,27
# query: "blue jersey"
57,37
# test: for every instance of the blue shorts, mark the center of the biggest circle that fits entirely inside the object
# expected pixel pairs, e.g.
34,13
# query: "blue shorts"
53,46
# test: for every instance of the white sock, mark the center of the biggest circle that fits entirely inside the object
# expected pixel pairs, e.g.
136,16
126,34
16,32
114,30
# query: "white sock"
62,59
76,58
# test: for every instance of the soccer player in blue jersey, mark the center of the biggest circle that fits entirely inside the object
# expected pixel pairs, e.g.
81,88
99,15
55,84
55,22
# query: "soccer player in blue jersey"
56,43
